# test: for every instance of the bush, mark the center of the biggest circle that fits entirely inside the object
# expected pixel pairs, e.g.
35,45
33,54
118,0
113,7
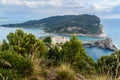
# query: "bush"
8,74
110,65
84,67
5,45
24,44
47,40
17,64
74,53
54,56
64,72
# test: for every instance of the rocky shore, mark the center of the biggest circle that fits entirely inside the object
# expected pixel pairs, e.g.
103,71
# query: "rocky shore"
104,44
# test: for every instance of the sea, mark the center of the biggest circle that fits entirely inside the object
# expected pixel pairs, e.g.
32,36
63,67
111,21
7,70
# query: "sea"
111,28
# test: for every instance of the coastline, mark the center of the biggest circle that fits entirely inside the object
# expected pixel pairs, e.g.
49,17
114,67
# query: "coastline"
103,35
106,44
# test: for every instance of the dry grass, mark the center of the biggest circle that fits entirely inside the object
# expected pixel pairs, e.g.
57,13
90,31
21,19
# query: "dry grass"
64,72
0,46
39,70
102,77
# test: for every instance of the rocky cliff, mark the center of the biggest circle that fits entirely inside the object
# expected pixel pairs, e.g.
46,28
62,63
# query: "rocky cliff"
55,39
105,44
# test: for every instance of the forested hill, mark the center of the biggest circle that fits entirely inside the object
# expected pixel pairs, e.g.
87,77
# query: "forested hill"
85,24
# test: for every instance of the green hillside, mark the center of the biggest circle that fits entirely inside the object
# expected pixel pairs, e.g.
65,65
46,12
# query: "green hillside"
85,24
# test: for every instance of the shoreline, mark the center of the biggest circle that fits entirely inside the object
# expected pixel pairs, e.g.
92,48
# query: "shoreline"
104,44
103,35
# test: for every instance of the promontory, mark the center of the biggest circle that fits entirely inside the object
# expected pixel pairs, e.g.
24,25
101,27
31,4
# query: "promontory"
84,24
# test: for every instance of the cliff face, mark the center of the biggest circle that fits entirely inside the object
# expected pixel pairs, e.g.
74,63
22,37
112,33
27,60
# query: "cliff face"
58,39
78,24
55,39
105,44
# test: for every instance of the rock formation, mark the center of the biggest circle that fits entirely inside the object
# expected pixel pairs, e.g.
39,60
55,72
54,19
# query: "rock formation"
58,39
105,44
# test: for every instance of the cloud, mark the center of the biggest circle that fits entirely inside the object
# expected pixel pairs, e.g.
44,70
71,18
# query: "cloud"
38,8
114,16
94,4
22,3
31,3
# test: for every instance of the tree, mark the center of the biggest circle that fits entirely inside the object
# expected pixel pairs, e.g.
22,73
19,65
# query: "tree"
74,53
73,50
14,65
25,44
5,45
48,40
110,65
54,55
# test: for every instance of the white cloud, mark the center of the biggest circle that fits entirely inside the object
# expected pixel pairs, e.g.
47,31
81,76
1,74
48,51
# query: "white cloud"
23,3
97,4
114,16
32,3
53,7
55,2
11,2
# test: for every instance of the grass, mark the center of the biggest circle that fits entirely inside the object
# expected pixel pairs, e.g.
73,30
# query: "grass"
0,46
64,72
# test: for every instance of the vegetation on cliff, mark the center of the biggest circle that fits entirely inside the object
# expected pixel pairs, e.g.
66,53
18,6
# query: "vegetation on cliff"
79,24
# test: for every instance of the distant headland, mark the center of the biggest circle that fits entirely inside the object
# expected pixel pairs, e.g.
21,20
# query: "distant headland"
84,25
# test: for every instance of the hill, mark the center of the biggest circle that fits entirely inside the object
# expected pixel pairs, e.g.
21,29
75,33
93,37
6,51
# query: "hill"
78,24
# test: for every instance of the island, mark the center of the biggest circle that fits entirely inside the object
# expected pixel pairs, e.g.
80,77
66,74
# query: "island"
84,25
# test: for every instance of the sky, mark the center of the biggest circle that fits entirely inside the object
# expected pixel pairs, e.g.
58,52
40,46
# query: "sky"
38,9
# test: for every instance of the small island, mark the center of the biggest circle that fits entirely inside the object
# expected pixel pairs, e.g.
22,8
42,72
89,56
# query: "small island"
83,25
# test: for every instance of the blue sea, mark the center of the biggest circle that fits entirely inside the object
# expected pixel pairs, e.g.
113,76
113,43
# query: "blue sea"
111,27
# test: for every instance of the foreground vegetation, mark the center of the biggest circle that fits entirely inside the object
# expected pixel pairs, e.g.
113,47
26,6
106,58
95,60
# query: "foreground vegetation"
23,57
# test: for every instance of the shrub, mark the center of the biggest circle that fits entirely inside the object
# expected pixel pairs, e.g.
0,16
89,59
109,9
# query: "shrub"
64,72
47,40
54,56
5,45
74,53
18,64
8,74
24,44
110,65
